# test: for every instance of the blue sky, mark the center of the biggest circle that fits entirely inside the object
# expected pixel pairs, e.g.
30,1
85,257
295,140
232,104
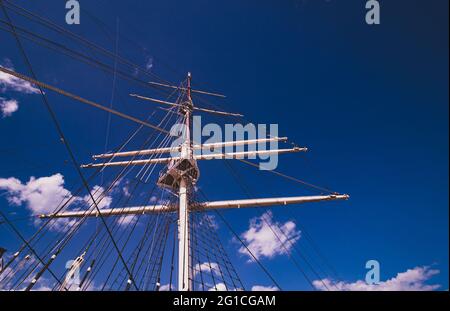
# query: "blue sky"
371,103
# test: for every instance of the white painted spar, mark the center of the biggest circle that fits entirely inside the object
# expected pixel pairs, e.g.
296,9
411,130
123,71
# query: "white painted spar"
272,201
105,212
212,156
244,154
131,162
217,145
154,209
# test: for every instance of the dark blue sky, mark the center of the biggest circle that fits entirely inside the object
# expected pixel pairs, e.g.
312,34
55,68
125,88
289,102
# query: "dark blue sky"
371,103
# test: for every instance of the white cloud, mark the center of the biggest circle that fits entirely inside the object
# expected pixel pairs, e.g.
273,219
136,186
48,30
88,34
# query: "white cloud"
42,288
126,220
166,287
8,106
207,267
45,195
262,288
8,277
262,241
102,200
410,280
12,83
41,195
220,287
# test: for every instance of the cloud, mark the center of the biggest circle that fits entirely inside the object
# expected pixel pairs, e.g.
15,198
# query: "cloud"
45,195
102,200
262,288
12,83
42,288
8,277
262,241
410,280
220,287
41,195
8,106
166,287
149,63
209,221
212,269
126,220
207,267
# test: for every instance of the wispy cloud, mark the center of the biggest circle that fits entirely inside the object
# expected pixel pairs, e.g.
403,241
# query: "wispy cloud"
12,83
411,280
149,63
261,240
209,221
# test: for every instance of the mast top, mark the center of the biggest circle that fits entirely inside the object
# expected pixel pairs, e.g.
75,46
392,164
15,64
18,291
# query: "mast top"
189,78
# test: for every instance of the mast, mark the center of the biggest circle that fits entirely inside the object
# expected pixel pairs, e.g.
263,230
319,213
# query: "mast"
183,211
181,173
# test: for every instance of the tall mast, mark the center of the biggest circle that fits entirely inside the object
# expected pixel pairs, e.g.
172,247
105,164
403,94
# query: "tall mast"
183,214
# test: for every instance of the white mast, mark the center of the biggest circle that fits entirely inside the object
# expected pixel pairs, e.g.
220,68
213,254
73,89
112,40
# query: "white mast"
183,211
